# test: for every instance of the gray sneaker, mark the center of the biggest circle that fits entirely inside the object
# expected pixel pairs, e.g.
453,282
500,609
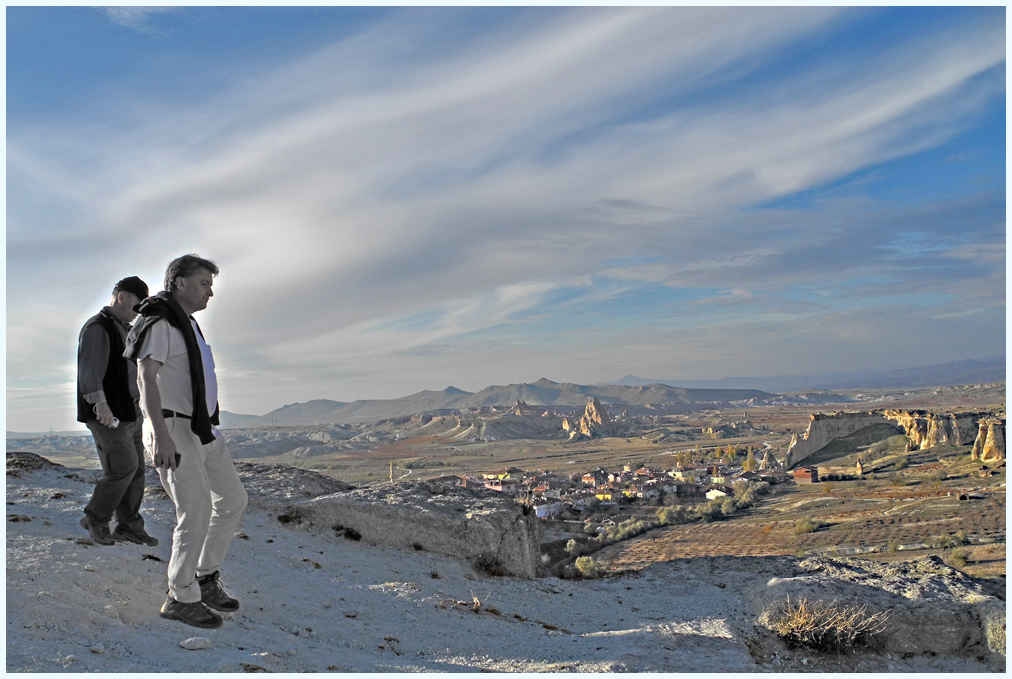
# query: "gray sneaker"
195,614
98,533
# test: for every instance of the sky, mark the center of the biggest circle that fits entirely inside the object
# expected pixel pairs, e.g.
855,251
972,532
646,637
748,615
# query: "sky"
411,198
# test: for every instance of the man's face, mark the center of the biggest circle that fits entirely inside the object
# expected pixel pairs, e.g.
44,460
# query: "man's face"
123,305
130,300
193,291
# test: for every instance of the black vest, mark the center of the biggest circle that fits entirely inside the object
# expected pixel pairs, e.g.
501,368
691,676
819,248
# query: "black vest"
115,383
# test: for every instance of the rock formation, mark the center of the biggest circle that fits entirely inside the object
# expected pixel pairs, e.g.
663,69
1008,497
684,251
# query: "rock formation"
488,529
990,443
594,422
825,429
769,463
928,607
922,429
925,429
521,408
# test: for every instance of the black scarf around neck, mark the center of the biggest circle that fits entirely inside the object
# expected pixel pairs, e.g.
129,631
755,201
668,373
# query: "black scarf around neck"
152,310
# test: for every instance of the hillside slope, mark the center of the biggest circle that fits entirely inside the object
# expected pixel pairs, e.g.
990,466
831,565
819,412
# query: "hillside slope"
313,602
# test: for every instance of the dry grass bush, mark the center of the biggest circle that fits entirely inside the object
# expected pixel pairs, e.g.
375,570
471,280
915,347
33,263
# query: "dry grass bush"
957,558
994,628
825,626
808,525
587,567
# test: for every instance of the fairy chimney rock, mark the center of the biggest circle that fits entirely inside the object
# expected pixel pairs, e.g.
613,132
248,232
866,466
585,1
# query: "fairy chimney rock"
990,443
594,419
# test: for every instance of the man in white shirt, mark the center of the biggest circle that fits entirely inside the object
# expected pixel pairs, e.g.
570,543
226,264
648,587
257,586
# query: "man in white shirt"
179,394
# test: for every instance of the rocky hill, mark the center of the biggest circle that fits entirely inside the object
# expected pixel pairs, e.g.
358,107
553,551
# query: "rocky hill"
334,579
541,393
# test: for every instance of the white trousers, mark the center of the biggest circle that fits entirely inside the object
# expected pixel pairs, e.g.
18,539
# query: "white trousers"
209,500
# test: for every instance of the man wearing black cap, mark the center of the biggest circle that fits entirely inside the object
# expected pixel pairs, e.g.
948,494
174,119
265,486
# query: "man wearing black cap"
107,402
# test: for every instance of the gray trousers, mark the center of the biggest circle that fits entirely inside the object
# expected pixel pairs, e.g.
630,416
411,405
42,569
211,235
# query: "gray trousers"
121,489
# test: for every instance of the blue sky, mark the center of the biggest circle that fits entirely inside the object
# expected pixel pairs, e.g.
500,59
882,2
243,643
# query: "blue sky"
409,198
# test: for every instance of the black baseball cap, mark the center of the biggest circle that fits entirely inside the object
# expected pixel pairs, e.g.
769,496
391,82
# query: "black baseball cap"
134,285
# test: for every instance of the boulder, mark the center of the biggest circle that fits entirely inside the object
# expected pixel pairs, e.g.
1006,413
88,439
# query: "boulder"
925,606
493,532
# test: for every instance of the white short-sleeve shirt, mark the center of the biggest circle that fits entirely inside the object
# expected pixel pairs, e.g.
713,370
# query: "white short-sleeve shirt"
165,344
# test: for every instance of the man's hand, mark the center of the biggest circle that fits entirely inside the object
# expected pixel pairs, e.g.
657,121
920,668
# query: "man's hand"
164,453
104,414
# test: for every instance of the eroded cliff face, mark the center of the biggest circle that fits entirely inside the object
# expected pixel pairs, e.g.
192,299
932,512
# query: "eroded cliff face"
925,429
824,428
990,443
922,428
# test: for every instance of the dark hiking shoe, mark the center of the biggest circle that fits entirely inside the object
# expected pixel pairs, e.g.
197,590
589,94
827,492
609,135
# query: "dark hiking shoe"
98,533
213,596
142,538
195,614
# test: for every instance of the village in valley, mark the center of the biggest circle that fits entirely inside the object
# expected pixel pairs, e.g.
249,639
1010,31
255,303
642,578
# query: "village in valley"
734,490
633,489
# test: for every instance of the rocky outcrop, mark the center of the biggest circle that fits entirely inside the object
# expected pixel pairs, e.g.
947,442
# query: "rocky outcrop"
925,429
521,408
594,422
493,427
825,429
990,443
492,532
769,463
922,428
594,419
19,464
926,606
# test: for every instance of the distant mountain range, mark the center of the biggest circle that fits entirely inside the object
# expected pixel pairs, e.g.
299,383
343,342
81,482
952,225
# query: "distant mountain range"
544,392
984,371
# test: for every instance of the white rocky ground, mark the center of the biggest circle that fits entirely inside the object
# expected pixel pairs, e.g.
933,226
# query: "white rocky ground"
316,603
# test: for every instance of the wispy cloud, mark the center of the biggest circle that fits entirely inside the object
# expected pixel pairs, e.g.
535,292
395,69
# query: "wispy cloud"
140,19
397,191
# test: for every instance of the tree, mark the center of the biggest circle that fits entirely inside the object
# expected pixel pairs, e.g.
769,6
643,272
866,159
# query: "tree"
732,454
728,507
671,516
710,510
750,464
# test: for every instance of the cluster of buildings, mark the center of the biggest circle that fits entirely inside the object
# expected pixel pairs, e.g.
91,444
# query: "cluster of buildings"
552,494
